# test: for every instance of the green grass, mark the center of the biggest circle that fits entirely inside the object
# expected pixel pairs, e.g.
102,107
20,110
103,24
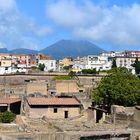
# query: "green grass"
63,77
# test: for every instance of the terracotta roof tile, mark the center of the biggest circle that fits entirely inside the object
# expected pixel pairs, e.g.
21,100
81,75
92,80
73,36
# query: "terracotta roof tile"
52,101
9,100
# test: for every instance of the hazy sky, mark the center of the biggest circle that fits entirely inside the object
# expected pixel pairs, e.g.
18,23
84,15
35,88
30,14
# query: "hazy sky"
35,24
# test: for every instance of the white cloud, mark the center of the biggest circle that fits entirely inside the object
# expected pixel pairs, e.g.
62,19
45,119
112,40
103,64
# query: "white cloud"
40,31
30,43
16,29
60,13
7,5
119,25
2,45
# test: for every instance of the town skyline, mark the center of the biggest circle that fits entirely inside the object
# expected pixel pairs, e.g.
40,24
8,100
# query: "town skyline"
38,24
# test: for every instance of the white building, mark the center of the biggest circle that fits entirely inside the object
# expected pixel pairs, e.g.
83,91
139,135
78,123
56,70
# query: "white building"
5,70
79,64
126,62
113,54
92,62
50,65
98,62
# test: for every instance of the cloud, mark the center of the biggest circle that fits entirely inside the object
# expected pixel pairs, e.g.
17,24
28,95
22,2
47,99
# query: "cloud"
2,45
7,5
40,31
117,25
18,30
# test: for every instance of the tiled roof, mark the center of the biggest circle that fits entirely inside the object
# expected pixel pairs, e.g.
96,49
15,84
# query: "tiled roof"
9,100
52,101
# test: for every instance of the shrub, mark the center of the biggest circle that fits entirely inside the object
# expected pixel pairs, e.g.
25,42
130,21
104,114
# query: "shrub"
7,117
41,67
89,71
33,67
0,116
72,74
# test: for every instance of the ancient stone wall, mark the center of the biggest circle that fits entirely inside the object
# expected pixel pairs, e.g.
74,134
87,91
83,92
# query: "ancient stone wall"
66,86
49,112
37,87
122,115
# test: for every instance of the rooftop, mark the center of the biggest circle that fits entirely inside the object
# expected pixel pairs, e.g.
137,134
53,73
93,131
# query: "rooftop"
9,100
52,101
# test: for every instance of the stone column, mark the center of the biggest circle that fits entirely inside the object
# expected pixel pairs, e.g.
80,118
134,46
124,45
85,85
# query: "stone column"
94,111
103,116
8,108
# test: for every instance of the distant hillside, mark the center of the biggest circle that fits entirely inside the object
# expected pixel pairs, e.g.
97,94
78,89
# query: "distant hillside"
22,51
71,48
3,50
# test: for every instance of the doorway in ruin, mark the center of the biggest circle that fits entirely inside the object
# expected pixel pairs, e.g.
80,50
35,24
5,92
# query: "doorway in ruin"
99,115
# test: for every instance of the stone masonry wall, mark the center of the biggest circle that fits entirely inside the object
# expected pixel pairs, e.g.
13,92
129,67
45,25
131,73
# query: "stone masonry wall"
37,87
49,112
66,86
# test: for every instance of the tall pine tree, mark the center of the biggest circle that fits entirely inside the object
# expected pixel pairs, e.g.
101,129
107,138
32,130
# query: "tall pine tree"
136,65
114,65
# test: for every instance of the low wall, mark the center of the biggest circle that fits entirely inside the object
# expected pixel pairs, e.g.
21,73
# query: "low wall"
74,136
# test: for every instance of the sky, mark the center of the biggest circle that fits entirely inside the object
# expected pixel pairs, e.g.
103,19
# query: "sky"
36,24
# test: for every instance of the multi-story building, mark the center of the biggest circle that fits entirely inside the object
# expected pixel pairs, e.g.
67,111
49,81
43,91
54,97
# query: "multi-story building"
113,54
92,62
5,64
44,57
12,63
122,54
124,59
66,62
126,62
132,53
79,64
98,62
50,65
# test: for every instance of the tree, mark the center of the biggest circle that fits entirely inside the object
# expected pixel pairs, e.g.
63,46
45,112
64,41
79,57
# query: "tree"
66,68
89,71
114,65
41,67
136,65
7,117
72,74
118,70
119,87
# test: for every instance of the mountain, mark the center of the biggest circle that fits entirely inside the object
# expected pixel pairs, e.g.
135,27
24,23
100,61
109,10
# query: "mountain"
3,50
61,49
22,51
71,48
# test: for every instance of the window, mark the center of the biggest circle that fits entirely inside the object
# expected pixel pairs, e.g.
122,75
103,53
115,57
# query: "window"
55,110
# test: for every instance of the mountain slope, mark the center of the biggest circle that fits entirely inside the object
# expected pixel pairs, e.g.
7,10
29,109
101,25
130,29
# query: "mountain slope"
22,51
71,48
3,50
